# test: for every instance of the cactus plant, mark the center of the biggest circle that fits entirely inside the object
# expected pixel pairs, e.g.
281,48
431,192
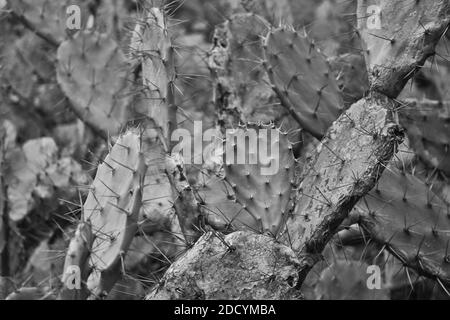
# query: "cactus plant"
262,183
291,58
410,220
393,54
234,61
151,41
351,75
229,228
427,126
78,252
346,280
93,73
112,207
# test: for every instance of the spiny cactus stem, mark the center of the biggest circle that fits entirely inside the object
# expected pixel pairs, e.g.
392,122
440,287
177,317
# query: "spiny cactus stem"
416,264
367,161
395,54
186,205
413,231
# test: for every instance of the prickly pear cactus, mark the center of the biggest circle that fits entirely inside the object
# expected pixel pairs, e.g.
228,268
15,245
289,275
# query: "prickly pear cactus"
235,62
153,45
304,99
351,75
404,215
399,36
330,180
347,280
222,211
261,180
93,73
427,124
303,80
112,208
77,256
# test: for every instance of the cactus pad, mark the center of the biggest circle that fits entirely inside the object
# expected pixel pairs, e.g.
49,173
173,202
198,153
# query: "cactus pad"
113,205
399,37
411,221
154,46
92,72
428,128
77,255
303,80
347,280
351,75
262,183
